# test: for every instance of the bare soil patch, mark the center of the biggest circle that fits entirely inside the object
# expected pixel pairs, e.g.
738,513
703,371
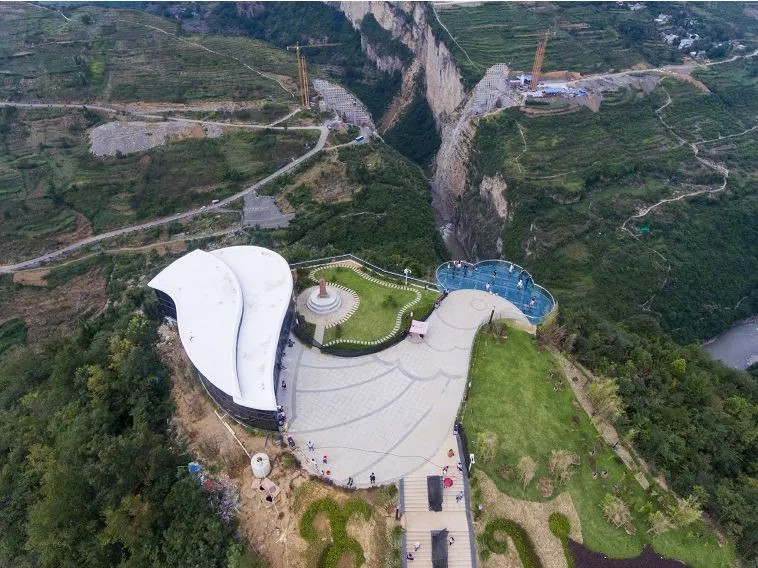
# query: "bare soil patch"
124,137
271,529
51,312
36,277
533,517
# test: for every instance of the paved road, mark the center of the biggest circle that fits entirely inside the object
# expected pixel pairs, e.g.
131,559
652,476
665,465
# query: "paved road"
389,413
323,133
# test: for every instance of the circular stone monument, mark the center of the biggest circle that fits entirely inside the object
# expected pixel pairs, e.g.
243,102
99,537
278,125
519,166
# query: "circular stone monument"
324,301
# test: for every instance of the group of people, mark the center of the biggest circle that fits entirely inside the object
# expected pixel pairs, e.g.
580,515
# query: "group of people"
417,545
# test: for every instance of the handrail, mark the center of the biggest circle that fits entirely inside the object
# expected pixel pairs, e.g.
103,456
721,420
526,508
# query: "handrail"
536,320
389,273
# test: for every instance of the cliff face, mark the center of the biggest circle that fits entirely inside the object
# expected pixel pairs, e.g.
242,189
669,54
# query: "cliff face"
476,221
406,21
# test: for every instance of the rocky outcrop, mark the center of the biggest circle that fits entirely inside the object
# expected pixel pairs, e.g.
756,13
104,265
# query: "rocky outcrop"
383,62
477,220
407,22
493,188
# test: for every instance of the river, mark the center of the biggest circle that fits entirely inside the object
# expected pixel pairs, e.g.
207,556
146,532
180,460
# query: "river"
737,346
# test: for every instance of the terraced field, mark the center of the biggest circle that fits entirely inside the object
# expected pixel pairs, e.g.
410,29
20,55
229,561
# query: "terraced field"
52,190
112,55
585,37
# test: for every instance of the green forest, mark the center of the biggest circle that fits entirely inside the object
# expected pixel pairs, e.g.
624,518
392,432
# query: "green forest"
386,220
634,304
414,134
693,419
90,473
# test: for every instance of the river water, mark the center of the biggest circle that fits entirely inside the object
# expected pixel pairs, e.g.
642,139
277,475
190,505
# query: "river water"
737,346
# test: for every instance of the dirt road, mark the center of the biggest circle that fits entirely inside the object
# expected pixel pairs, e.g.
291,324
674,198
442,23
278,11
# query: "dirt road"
323,133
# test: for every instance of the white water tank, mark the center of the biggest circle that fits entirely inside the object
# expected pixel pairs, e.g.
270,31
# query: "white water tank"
261,465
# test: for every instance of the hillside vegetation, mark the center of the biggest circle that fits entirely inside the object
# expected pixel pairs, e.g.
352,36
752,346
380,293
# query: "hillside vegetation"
588,37
285,23
106,54
91,475
582,175
366,200
573,182
49,177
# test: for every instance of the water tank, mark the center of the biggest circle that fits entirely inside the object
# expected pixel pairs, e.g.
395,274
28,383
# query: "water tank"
261,465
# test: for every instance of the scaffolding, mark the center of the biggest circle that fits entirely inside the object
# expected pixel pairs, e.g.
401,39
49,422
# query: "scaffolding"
347,106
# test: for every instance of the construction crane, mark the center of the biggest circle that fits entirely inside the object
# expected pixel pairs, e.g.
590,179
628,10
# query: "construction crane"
539,56
302,69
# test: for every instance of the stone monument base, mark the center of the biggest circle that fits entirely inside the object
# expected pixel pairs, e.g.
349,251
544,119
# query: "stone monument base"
324,305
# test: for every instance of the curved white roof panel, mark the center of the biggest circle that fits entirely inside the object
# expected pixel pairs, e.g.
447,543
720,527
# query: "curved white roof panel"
230,305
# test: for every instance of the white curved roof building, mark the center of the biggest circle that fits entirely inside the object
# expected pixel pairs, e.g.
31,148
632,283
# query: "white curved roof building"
233,307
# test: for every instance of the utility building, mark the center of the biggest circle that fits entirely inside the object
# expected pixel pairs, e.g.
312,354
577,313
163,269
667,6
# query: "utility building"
233,308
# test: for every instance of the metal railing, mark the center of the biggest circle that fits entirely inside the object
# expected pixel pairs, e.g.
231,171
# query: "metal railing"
387,273
536,320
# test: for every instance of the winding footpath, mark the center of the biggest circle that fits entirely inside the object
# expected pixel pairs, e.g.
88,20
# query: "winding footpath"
33,262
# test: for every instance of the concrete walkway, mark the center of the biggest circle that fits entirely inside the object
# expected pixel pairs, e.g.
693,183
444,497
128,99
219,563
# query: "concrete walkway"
389,413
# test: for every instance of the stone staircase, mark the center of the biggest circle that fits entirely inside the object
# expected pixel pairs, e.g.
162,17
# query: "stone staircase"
420,522
458,554
415,497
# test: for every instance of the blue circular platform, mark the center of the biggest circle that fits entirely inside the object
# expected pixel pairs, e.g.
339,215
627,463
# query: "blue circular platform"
502,278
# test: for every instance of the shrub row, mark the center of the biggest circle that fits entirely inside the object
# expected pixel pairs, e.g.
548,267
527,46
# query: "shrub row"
338,517
560,526
522,542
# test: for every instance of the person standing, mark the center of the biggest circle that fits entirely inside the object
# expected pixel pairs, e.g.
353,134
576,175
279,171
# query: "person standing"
372,478
310,446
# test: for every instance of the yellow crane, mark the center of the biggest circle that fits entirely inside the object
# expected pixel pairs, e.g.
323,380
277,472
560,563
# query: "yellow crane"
538,57
302,69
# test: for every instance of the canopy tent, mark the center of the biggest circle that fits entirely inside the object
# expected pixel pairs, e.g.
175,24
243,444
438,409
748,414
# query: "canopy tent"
419,327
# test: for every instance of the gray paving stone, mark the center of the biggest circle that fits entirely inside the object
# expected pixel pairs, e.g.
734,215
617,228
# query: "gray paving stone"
389,413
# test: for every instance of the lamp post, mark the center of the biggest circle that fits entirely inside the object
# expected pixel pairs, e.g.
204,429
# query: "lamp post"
406,271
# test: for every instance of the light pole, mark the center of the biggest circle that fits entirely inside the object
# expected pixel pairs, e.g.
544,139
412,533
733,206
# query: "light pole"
406,271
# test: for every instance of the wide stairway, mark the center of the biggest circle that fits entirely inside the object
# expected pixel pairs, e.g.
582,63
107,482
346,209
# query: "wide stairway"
420,522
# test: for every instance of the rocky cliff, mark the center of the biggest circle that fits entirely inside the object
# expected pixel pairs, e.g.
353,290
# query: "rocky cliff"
407,22
456,114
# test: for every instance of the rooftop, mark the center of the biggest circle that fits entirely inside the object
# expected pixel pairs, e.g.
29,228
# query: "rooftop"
231,304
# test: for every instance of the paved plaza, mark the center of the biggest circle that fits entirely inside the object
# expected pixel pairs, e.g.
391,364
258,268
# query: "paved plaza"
389,413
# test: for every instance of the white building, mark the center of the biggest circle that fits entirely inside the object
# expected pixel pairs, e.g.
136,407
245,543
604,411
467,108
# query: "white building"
233,308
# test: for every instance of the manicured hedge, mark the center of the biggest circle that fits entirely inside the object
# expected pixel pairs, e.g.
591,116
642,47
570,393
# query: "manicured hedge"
341,543
560,526
522,542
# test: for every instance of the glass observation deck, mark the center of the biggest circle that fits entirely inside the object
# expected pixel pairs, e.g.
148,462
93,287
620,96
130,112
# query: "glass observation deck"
500,277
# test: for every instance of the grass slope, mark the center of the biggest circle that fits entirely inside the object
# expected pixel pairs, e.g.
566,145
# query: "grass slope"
510,397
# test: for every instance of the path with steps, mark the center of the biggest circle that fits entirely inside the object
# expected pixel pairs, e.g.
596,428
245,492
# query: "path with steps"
419,522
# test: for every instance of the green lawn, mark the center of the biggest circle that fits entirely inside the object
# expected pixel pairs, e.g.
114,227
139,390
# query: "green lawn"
511,398
377,313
